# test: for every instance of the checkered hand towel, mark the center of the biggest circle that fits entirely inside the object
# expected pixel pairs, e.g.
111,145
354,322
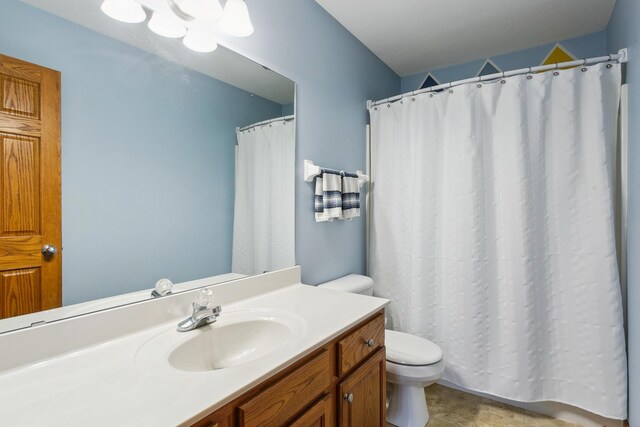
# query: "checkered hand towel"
328,198
350,195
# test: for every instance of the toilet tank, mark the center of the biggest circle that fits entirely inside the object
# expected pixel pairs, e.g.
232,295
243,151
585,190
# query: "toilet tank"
353,283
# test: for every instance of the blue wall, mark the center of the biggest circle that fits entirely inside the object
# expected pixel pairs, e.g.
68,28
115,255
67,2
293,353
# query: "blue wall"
148,152
335,75
288,109
582,47
624,31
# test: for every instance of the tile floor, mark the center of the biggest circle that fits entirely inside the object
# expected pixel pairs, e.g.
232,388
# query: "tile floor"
452,408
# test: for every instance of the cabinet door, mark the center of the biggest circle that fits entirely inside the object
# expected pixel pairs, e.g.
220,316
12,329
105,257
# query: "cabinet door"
319,415
363,395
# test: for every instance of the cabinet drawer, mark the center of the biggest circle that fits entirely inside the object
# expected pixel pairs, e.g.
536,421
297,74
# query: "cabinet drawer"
358,345
278,403
319,415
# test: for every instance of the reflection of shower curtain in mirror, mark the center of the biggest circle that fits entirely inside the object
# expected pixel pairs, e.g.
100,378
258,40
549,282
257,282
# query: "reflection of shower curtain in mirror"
264,222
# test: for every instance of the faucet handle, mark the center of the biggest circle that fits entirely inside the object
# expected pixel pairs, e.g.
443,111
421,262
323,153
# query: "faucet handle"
205,298
163,287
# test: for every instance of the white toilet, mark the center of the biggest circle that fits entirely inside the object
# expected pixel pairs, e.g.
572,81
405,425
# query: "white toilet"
412,363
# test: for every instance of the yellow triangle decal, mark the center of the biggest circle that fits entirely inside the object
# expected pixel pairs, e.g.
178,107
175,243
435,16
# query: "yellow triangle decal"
558,54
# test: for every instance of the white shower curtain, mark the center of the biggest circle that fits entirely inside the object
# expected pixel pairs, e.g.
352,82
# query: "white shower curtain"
493,234
264,213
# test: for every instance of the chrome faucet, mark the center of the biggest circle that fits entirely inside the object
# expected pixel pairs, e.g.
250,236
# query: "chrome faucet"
162,288
203,312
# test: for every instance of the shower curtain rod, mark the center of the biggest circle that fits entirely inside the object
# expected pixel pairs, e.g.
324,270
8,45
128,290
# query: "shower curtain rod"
266,122
620,57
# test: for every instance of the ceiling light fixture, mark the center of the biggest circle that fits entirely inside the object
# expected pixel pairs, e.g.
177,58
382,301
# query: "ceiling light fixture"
167,26
206,10
198,42
186,19
127,11
235,19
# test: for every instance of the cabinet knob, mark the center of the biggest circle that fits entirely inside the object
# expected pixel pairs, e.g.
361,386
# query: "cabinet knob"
370,342
348,397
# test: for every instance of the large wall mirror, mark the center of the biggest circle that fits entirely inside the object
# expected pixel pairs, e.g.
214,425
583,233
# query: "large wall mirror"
173,163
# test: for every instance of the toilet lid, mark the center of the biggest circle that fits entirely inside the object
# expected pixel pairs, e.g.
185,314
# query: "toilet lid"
409,349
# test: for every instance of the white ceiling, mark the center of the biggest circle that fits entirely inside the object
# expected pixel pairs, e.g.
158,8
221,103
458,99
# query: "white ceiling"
222,64
412,36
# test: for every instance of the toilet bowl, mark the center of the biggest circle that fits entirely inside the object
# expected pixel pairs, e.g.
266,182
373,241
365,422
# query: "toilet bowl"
413,363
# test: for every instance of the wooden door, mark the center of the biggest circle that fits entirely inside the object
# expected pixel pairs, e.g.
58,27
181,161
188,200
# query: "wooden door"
363,394
30,213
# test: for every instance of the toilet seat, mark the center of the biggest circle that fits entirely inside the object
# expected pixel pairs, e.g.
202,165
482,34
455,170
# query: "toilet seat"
411,350
406,374
412,359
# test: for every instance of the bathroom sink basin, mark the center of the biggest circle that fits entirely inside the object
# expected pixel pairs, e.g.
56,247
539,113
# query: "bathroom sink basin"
220,346
236,339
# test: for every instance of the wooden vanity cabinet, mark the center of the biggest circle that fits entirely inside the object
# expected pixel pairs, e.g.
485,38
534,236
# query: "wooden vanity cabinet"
342,383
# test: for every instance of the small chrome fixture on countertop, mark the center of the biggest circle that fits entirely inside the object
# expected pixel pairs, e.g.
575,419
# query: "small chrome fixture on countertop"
163,287
203,312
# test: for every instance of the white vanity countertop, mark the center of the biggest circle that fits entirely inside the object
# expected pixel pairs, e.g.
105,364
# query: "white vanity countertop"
110,384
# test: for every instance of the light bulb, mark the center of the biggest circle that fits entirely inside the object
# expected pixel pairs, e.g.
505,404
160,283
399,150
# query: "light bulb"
166,26
199,42
201,9
127,11
235,19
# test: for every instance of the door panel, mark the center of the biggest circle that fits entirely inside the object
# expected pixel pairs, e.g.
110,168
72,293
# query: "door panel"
20,185
20,291
363,394
20,97
30,213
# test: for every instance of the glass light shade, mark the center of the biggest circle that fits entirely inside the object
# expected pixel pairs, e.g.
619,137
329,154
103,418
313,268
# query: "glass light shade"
199,42
201,9
235,19
167,26
127,11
